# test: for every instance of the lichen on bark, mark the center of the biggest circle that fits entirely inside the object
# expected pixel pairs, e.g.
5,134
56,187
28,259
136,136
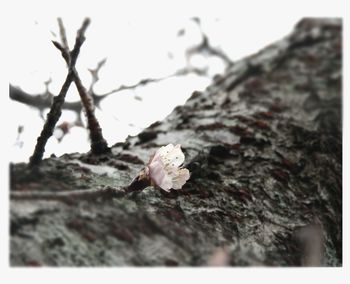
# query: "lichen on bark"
264,146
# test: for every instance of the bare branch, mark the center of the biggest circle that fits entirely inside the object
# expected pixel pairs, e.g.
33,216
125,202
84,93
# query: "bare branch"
143,82
52,118
79,40
63,34
56,108
98,143
94,74
41,102
64,51
205,47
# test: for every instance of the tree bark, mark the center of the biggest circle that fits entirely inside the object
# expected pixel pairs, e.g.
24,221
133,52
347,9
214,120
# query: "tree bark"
264,146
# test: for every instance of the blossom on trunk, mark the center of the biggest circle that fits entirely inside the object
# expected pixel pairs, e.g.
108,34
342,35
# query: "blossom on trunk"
164,168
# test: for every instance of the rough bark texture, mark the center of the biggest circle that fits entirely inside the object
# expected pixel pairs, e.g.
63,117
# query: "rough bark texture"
264,146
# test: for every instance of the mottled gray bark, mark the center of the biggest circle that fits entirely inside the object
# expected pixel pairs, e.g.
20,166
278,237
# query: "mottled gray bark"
264,147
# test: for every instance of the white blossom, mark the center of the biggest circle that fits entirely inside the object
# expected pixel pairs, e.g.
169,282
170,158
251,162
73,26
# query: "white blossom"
164,168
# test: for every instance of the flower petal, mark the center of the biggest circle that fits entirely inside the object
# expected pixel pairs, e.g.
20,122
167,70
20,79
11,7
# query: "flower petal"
156,170
175,157
165,150
182,176
166,184
163,168
159,175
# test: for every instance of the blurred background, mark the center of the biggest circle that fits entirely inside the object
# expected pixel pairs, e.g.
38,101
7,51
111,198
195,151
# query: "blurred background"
159,60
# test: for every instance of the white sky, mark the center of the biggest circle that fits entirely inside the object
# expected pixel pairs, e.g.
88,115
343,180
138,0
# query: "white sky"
136,47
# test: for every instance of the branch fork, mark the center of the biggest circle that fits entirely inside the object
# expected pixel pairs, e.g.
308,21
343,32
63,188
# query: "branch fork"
98,143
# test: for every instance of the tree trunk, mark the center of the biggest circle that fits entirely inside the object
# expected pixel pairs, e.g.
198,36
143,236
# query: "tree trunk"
263,144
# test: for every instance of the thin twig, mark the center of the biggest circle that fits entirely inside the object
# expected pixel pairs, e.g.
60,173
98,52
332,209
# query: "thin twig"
94,75
78,42
205,47
138,184
56,108
97,143
107,192
64,52
52,118
63,34
41,101
143,82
